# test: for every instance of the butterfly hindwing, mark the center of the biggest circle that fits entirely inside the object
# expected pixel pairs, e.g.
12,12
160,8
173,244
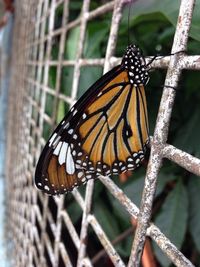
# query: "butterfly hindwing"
46,175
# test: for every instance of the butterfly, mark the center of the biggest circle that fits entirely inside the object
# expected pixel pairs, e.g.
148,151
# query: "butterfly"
105,133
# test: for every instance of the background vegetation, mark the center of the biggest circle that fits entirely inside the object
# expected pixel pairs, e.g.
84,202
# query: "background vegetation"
177,204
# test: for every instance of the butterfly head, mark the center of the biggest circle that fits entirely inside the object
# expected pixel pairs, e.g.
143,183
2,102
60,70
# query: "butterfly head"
135,64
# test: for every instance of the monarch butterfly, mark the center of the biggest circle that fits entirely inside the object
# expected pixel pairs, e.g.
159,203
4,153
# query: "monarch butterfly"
105,132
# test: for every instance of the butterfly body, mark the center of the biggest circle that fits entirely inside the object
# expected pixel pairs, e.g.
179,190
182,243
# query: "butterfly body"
104,133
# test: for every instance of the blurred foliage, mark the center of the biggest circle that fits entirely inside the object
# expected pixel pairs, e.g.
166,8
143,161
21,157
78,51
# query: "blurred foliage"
177,202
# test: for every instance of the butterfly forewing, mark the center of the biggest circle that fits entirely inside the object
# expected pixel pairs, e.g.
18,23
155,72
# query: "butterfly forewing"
106,132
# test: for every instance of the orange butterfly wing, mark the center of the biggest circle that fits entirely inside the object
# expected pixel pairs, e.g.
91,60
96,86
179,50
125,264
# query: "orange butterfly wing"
106,132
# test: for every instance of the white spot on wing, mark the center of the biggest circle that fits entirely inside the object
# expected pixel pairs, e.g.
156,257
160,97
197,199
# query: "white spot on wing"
80,174
55,142
130,165
62,154
75,111
46,187
57,150
52,139
100,93
75,136
70,167
137,161
66,125
70,131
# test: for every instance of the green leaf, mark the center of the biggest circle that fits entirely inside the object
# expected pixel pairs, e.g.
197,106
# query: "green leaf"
52,77
61,111
134,190
188,136
49,104
194,208
58,16
170,10
46,131
74,211
163,179
106,219
113,225
172,219
71,44
124,247
55,47
66,80
88,76
95,36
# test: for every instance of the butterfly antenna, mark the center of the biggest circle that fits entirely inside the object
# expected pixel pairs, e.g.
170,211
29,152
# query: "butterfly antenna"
159,56
151,60
128,24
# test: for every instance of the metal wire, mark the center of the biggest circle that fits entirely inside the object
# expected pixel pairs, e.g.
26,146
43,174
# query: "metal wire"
39,227
161,129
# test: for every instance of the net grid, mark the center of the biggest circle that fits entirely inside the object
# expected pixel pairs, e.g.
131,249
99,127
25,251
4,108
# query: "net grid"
28,211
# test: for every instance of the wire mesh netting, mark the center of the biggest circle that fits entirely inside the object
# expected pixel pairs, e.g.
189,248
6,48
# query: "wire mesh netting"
43,230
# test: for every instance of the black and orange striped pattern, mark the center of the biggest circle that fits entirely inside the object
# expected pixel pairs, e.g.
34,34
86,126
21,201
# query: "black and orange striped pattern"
106,132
